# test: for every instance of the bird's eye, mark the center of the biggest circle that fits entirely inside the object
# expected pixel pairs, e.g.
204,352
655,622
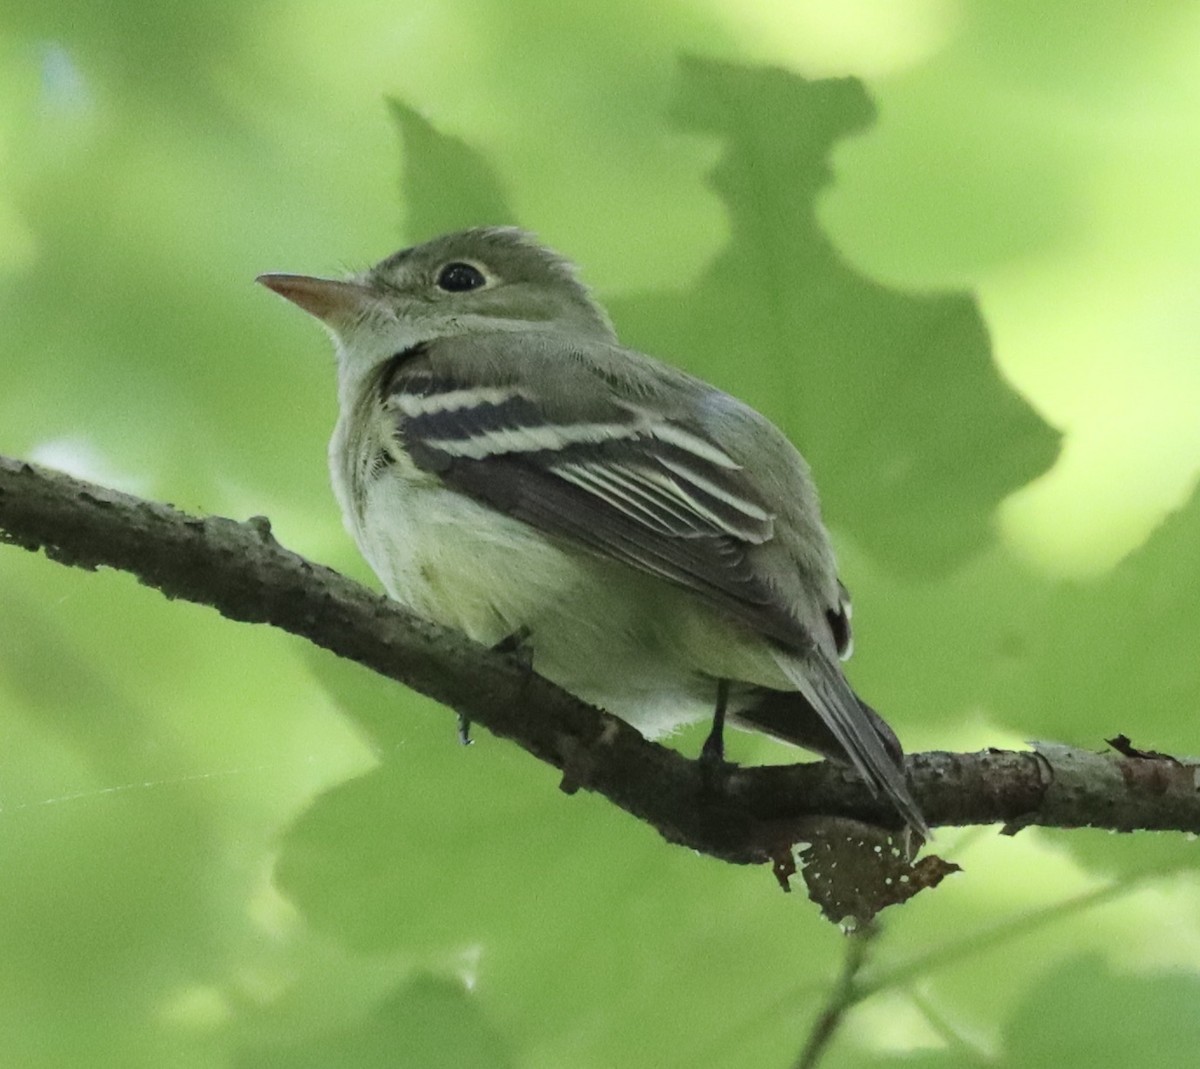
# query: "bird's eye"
459,277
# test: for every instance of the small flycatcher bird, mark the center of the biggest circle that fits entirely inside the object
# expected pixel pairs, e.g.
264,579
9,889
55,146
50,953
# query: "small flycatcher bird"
508,468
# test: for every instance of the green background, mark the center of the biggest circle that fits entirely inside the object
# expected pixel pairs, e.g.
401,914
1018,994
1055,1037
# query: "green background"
965,283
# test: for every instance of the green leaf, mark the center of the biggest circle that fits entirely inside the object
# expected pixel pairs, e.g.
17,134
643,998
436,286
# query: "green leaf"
1084,1013
448,185
893,397
429,1022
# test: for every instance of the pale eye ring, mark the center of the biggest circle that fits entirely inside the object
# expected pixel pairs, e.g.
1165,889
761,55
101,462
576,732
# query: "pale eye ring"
458,277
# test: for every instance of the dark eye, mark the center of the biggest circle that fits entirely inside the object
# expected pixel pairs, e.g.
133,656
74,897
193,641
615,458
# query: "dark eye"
456,278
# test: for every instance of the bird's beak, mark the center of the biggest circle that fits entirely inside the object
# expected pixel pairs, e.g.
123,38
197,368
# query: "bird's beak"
330,301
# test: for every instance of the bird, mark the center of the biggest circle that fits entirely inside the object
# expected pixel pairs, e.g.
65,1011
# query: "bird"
508,468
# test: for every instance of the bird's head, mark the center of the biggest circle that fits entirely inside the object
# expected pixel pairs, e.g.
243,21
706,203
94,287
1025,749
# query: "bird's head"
483,279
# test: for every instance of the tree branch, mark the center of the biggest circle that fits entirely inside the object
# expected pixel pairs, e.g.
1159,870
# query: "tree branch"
240,570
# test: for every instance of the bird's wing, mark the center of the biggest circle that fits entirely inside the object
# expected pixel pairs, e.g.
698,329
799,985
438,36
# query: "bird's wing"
618,480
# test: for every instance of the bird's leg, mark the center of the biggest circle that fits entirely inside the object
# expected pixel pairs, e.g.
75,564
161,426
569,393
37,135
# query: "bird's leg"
464,730
516,646
712,755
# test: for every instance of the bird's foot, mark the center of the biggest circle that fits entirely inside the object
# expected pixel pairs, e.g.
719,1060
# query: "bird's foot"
518,647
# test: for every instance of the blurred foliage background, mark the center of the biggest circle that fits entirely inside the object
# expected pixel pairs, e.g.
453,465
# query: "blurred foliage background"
952,247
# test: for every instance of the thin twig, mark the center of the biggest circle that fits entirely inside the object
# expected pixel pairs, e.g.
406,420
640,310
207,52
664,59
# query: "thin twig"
957,1045
1000,934
843,996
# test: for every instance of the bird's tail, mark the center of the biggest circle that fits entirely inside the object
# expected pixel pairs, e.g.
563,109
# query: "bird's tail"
854,729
